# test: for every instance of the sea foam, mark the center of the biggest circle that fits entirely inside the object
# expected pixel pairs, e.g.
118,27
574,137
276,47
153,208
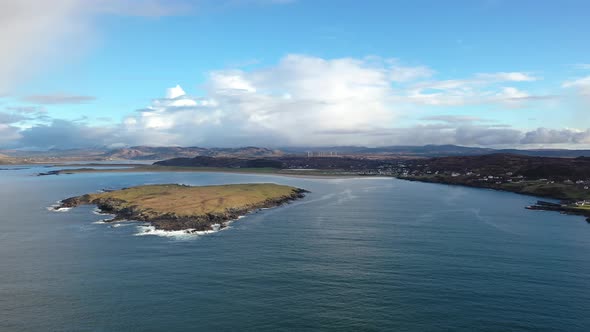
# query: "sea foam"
63,209
179,235
55,207
97,211
184,234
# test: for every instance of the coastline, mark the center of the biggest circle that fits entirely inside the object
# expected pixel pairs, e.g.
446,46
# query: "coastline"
254,171
563,207
566,201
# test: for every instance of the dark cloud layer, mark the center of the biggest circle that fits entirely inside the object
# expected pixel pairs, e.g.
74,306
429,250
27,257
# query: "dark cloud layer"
70,134
58,99
553,136
66,134
9,118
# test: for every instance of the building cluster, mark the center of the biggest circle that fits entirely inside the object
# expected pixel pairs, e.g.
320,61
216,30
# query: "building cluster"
402,170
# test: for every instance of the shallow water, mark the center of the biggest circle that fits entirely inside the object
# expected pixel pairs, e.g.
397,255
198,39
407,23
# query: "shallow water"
356,254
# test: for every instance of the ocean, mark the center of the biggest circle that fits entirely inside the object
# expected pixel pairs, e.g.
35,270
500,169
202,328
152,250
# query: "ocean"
357,254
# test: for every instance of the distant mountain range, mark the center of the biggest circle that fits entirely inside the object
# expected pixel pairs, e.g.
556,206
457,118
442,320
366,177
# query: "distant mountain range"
163,153
7,160
135,153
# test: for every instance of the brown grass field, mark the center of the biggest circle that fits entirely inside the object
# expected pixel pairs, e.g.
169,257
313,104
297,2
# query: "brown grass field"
188,201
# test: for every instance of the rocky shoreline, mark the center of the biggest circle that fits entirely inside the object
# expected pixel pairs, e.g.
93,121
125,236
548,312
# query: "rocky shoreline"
562,207
172,221
482,185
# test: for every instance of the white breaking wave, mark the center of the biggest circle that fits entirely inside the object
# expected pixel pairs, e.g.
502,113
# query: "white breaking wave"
98,212
148,229
184,234
120,225
63,209
179,235
54,207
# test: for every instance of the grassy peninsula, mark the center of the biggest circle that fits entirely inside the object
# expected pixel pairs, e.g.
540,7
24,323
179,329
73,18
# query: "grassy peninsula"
180,207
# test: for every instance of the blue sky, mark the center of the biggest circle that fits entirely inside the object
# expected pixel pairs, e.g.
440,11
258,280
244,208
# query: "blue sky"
301,72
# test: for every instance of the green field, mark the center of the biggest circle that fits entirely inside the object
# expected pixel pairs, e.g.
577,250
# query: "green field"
555,190
562,191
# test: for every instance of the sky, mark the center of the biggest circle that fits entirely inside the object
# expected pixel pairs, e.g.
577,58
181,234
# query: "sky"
278,73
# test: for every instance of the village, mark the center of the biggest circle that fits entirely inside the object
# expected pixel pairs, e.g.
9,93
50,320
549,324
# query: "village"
490,177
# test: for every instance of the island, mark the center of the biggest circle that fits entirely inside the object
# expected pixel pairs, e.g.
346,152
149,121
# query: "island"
174,207
566,179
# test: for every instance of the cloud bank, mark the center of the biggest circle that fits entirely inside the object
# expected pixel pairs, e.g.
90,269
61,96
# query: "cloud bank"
306,100
301,100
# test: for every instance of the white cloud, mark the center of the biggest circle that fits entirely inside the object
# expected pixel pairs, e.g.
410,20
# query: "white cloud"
294,102
581,84
306,100
584,66
454,118
406,74
482,88
507,77
175,92
37,33
513,97
228,82
30,31
512,93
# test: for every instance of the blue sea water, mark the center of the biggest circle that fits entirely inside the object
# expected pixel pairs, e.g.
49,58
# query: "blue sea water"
366,254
